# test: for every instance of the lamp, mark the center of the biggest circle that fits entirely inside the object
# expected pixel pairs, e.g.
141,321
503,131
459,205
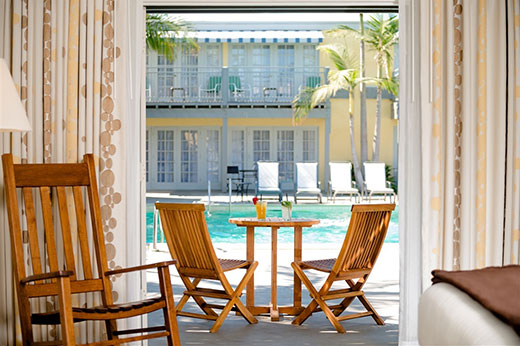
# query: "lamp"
12,113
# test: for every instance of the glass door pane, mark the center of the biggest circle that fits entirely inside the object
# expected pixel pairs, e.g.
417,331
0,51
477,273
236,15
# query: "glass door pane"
261,145
189,72
311,70
189,159
285,70
261,74
309,146
213,155
238,148
165,162
285,153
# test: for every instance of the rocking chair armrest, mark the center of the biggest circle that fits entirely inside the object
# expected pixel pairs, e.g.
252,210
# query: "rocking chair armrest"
143,267
44,276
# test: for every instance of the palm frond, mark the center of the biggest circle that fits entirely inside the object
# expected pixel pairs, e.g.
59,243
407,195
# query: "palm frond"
164,35
340,55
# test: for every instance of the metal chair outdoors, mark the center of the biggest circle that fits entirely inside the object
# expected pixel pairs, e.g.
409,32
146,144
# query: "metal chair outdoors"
188,240
341,180
307,180
238,183
237,90
375,180
212,90
267,179
65,276
357,257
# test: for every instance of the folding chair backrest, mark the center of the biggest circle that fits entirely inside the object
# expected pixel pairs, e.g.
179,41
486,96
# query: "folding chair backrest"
306,175
375,176
340,175
267,174
60,241
187,236
365,236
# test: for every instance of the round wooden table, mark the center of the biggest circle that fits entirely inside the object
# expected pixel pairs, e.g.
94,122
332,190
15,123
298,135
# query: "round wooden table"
275,224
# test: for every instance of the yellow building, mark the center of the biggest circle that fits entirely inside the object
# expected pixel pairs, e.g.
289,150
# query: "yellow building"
230,105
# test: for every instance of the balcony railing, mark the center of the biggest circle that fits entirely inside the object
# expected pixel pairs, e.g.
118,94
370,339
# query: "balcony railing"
195,85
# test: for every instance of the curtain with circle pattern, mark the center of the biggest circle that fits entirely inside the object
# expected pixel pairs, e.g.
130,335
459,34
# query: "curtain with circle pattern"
65,58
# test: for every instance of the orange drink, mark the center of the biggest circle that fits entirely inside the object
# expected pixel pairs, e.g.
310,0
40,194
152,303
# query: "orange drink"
261,209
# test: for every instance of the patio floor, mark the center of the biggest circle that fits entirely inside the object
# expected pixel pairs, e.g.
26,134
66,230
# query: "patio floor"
382,290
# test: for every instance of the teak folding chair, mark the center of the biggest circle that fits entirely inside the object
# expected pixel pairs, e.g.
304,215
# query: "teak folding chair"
189,242
363,242
65,275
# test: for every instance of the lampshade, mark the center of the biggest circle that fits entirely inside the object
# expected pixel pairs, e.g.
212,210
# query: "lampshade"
12,112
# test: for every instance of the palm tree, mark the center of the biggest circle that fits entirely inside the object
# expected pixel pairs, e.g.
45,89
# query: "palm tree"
345,77
165,34
381,36
341,31
362,93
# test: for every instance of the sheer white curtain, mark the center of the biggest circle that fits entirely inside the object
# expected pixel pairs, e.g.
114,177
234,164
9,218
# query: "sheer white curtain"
470,136
75,67
461,97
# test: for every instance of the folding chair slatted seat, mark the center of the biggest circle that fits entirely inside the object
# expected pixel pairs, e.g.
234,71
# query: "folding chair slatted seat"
361,247
77,274
189,243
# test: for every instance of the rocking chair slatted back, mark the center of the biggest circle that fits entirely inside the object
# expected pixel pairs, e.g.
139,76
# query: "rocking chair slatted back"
58,244
365,237
189,240
66,181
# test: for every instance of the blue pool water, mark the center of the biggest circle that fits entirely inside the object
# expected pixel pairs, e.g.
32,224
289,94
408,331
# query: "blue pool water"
334,223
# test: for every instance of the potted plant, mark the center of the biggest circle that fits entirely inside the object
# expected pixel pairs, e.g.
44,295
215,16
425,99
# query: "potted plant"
286,210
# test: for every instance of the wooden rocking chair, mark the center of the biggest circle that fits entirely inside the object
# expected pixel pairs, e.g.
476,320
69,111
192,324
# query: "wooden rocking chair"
65,276
189,242
363,242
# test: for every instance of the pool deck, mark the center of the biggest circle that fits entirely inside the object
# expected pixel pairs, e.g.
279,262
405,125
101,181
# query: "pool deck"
222,198
382,290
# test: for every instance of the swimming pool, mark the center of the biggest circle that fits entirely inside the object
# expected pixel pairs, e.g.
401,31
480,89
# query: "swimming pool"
334,224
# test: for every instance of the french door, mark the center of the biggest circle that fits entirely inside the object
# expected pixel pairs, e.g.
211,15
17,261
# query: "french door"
183,158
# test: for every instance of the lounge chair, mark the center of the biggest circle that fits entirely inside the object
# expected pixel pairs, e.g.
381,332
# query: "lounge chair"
375,180
188,240
267,179
307,180
363,241
341,180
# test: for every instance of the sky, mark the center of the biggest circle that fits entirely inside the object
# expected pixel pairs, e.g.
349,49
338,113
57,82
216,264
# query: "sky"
269,17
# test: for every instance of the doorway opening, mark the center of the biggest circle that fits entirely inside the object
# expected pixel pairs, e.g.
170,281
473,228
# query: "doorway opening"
229,99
